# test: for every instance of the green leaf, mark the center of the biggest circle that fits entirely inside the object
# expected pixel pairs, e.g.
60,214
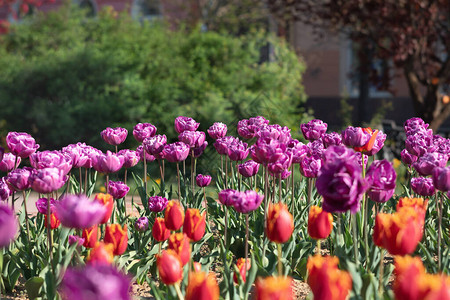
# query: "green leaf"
33,286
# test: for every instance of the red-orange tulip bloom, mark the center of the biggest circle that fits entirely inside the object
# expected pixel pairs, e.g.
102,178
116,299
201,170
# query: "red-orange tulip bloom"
240,264
194,224
54,221
90,236
179,242
274,288
369,145
202,286
174,215
279,224
117,236
320,223
418,203
108,202
327,282
159,230
101,254
382,222
170,268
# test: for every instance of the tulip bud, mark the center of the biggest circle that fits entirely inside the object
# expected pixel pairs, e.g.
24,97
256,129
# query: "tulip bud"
141,224
101,254
202,286
203,180
279,224
54,221
240,264
320,223
179,242
197,266
117,236
159,230
174,215
108,202
274,288
90,236
194,224
170,268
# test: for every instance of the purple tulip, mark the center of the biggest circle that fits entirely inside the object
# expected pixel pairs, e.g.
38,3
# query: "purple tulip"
314,129
92,154
203,180
443,146
248,201
408,158
249,168
118,189
155,145
51,159
7,163
185,124
176,152
267,151
77,211
141,224
275,132
441,178
75,239
310,166
354,137
414,124
285,174
8,226
280,165
141,131
77,153
130,158
140,152
238,151
381,178
425,164
379,195
199,150
193,139
222,145
5,191
114,136
21,144
378,144
418,144
423,186
95,282
217,130
42,205
108,163
335,154
298,150
331,139
315,148
47,180
157,203
341,186
248,129
2,152
19,179
226,197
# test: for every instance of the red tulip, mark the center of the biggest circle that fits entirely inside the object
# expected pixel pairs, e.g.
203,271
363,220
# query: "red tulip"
108,202
54,221
320,223
174,215
90,236
279,223
240,264
159,230
179,242
170,268
194,224
202,286
369,145
274,288
101,254
117,236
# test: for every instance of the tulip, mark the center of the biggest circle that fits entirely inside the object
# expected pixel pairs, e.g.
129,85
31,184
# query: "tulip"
298,150
18,179
331,139
381,177
197,266
267,151
8,226
74,239
157,203
249,128
368,147
423,186
108,203
428,162
155,145
222,144
185,124
226,197
238,151
77,211
314,129
77,154
279,223
414,124
194,224
193,139
174,215
170,268
275,132
90,236
320,223
92,154
52,159
355,137
248,169
310,166
47,180
441,178
179,242
281,165
108,163
285,174
7,163
327,282
274,288
246,202
130,158
409,272
198,151
114,136
159,230
21,144
118,189
95,282
408,158
117,236
101,254
418,204
240,264
141,131
378,144
217,130
5,191
54,221
202,286
176,152
203,180
141,224
419,143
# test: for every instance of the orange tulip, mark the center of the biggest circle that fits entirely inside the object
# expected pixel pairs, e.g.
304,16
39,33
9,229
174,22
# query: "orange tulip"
179,242
197,266
90,236
279,224
241,267
194,224
54,221
382,222
108,201
320,223
101,254
159,230
202,286
369,145
174,215
327,282
274,288
418,203
170,268
117,236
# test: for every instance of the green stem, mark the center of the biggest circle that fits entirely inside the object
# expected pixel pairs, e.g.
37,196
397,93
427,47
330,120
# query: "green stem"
381,274
192,173
226,172
280,266
26,216
440,230
246,245
292,195
318,246
80,183
279,188
309,191
178,179
178,290
355,239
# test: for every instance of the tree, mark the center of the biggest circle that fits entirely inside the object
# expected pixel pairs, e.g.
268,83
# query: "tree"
412,34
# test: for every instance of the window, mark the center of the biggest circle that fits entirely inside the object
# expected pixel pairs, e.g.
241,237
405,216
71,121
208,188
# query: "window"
146,9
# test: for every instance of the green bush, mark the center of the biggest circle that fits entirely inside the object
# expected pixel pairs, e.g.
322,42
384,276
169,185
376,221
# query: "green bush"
65,77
